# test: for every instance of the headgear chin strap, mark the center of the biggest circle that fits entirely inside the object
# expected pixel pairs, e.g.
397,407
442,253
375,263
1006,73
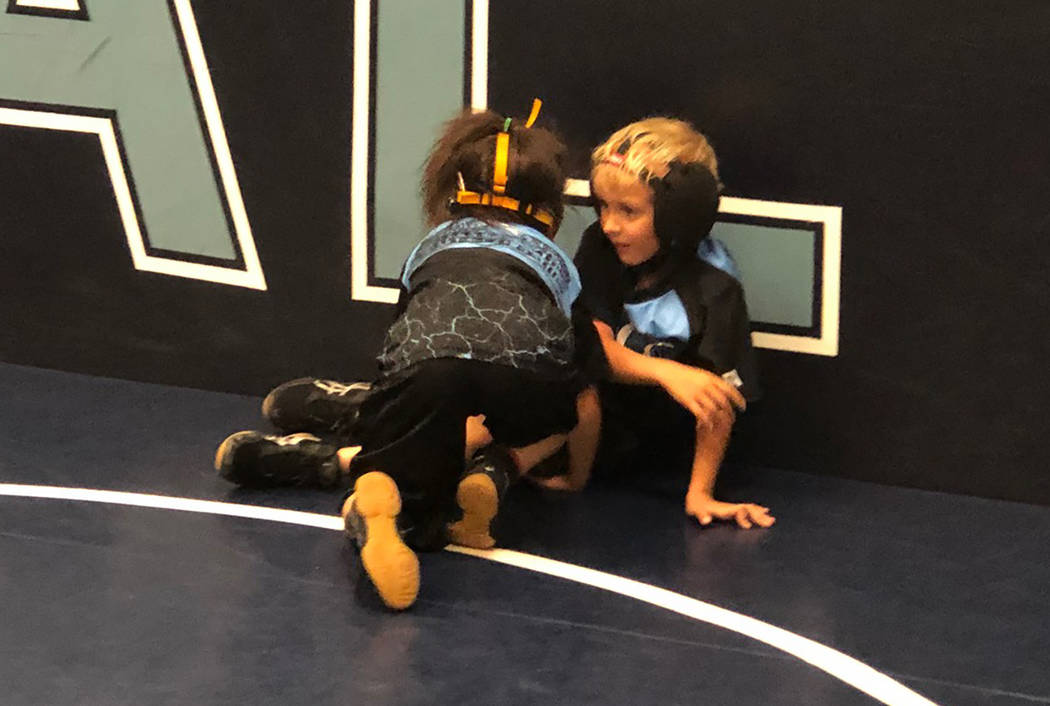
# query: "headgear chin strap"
497,197
655,271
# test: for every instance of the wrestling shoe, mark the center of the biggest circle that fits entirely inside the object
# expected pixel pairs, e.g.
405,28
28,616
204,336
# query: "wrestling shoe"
316,406
250,458
478,495
371,521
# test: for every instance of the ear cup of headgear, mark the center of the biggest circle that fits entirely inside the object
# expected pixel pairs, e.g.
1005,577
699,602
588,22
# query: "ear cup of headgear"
685,205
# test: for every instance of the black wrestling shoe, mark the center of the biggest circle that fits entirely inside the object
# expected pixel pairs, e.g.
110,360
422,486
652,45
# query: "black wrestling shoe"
316,406
249,458
480,491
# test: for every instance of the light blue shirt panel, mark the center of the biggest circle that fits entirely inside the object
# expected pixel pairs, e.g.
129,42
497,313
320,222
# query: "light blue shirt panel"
715,252
546,259
663,317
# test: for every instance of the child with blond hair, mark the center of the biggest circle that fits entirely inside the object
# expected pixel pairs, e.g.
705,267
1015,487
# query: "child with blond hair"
673,326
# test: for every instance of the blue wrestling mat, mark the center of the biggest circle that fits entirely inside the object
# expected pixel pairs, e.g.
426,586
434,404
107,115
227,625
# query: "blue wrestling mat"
860,593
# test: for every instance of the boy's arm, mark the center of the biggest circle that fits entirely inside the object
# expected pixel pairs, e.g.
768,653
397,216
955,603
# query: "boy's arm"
699,499
711,400
704,394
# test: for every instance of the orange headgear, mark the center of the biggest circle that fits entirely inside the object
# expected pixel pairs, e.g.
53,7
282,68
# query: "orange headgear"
497,196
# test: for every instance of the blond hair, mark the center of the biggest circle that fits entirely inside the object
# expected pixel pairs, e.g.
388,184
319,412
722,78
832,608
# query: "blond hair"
645,149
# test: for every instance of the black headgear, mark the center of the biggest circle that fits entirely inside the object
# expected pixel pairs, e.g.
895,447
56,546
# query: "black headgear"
685,201
685,205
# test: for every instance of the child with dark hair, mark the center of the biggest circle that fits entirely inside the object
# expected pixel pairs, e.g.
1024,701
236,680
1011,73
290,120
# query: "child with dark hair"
673,325
483,331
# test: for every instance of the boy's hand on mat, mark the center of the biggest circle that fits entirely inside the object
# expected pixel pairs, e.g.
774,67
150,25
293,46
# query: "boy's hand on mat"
706,509
704,394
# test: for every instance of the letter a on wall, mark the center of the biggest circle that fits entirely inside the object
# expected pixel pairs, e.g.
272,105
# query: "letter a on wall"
133,73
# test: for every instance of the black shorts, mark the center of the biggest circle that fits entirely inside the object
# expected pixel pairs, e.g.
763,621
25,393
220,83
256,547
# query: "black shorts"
411,425
648,439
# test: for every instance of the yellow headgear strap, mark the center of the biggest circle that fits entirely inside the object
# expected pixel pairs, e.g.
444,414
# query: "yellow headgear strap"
499,169
499,178
536,105
473,198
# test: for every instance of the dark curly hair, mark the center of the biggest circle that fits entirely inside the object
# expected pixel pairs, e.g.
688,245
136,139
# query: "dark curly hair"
467,146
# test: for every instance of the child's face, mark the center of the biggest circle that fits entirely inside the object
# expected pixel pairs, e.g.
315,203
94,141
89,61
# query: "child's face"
626,211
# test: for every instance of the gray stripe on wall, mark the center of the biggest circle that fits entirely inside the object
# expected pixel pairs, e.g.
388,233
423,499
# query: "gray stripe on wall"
420,50
776,265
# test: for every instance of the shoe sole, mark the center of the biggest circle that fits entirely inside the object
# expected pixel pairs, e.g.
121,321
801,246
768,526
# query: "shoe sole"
389,563
479,501
224,454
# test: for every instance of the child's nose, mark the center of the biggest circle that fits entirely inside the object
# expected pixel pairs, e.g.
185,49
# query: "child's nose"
610,224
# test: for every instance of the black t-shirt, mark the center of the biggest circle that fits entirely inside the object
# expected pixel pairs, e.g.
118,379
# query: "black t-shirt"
697,315
480,304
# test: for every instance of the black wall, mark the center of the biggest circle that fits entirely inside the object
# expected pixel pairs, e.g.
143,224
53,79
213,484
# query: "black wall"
72,299
926,122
